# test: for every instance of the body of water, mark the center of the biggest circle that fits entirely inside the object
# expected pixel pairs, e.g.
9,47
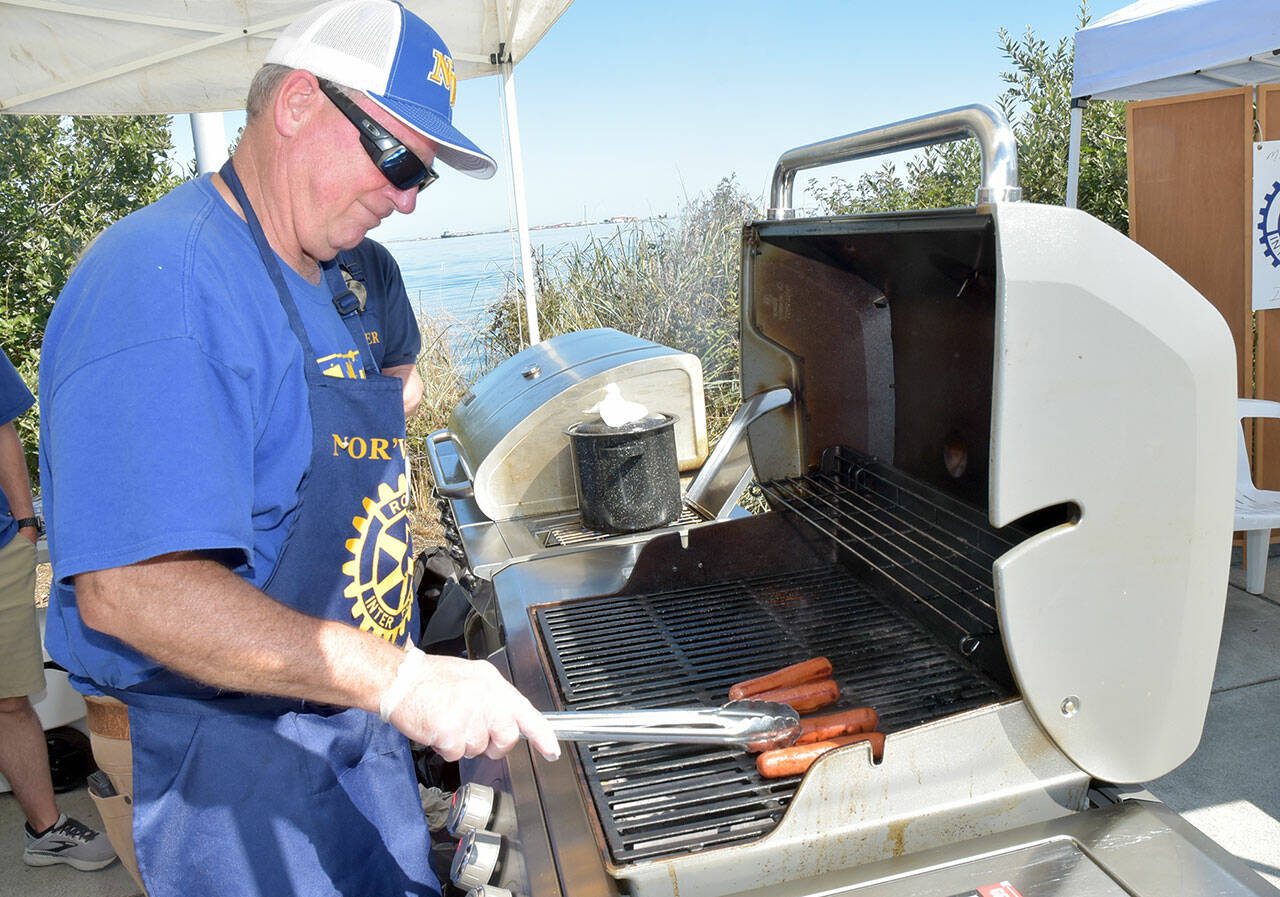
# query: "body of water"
457,278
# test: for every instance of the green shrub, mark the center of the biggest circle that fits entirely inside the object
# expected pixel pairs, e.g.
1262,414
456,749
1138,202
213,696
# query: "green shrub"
1037,103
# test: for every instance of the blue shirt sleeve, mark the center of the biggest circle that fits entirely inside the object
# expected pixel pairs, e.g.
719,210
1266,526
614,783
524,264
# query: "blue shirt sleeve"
174,413
15,398
131,463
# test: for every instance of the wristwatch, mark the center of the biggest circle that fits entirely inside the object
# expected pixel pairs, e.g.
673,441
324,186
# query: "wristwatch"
24,522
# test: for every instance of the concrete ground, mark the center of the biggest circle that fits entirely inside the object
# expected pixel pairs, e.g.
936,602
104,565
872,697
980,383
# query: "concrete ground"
19,880
1229,788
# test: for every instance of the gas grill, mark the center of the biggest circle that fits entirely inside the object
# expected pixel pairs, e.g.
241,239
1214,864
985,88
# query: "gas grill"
998,456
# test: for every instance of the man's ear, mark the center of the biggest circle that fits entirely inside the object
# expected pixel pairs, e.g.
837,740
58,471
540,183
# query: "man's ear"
296,101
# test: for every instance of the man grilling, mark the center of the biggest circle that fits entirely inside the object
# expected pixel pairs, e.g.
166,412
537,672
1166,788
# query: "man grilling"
224,483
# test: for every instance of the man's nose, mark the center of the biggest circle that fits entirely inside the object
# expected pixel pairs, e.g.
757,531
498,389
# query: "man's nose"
405,200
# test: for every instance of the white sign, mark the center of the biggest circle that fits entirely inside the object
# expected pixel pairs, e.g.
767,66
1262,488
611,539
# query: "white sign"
1264,230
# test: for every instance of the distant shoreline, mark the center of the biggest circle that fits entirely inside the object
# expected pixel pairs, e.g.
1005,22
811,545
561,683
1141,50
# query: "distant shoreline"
449,234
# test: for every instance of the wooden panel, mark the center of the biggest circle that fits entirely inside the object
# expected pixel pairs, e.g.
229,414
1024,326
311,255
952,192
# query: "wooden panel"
1190,164
1266,366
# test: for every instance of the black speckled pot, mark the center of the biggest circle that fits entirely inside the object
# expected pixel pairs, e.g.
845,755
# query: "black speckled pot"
628,477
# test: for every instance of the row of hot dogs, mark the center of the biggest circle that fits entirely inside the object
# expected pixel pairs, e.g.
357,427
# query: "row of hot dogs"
807,686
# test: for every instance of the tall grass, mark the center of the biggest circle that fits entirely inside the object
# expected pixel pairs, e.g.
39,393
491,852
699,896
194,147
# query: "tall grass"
674,281
446,377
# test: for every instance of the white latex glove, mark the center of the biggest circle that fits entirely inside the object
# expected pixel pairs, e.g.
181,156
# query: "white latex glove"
464,708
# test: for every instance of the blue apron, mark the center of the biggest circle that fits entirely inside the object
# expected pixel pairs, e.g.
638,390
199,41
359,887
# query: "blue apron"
245,795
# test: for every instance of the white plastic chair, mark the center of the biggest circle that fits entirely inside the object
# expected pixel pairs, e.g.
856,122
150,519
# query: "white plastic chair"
1257,510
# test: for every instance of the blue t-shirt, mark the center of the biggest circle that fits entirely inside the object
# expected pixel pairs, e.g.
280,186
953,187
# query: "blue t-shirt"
174,409
388,319
15,398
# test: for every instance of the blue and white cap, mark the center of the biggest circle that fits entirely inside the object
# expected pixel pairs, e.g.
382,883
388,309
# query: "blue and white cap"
388,53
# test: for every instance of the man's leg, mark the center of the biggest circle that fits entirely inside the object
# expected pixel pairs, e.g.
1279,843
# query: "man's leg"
24,761
24,756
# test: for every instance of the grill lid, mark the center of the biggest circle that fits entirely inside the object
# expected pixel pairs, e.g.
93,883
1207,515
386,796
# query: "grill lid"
1111,391
1114,390
1027,360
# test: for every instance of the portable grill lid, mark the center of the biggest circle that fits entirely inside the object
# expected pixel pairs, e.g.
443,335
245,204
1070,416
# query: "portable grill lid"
509,427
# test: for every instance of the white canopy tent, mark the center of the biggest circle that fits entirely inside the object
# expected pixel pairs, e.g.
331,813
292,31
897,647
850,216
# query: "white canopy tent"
136,57
1164,48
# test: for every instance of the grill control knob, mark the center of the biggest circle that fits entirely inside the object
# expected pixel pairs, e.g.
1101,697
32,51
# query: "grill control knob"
471,808
475,859
489,891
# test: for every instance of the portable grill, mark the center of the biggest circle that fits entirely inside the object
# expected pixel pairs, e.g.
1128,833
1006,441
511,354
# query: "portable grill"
1000,504
503,469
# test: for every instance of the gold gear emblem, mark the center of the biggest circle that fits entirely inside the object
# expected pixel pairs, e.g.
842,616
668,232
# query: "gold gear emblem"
380,588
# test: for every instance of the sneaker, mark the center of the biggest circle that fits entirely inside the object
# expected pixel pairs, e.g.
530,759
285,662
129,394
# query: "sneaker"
69,841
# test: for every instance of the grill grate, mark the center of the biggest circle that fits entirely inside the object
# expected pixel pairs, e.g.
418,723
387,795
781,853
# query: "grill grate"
574,532
934,549
686,646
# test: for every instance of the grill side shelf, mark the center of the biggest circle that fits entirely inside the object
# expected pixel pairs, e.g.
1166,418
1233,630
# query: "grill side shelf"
686,645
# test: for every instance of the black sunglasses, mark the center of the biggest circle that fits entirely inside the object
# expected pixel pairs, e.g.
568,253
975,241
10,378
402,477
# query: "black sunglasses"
397,164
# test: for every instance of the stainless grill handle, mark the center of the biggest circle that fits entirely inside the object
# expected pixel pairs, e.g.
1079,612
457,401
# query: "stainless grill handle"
739,722
995,139
702,491
463,488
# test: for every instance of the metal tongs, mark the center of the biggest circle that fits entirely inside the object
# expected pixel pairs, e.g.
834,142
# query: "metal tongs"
759,724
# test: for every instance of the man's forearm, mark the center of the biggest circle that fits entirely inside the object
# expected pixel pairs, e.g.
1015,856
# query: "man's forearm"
197,617
13,473
411,386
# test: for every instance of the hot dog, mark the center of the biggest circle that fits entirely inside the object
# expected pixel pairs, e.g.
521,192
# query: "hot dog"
797,674
796,760
833,725
809,696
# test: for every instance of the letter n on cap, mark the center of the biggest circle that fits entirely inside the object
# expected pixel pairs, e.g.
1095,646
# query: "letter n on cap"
442,74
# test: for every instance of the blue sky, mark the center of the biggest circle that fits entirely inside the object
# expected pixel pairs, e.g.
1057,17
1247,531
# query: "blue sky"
626,108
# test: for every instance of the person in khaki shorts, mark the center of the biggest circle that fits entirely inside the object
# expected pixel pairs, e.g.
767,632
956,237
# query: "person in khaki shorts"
51,837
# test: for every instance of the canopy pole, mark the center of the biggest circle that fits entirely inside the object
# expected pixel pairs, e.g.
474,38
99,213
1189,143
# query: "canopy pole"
210,141
1073,152
511,125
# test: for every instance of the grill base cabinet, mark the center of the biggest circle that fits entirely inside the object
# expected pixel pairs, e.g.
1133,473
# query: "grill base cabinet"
1010,449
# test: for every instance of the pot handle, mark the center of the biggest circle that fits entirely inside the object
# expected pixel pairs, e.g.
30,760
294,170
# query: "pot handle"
462,488
623,450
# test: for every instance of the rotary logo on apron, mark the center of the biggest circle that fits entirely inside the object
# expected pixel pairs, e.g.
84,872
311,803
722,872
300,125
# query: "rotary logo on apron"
378,582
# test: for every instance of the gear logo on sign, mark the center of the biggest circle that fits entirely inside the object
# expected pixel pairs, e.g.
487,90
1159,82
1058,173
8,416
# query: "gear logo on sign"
1269,224
380,588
